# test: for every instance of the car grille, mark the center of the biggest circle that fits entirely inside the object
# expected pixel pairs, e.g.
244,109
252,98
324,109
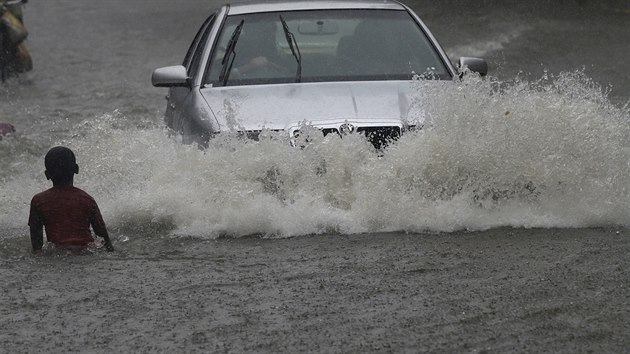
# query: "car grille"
379,137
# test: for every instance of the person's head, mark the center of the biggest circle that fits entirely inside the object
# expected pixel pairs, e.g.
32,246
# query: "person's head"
258,38
61,165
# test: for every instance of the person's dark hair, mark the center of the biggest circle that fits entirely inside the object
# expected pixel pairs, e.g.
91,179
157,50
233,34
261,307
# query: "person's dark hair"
60,164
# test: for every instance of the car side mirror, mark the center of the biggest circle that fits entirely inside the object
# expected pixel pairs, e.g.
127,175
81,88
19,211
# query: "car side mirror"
170,76
476,65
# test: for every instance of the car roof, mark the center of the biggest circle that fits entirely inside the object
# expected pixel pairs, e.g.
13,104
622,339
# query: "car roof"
257,6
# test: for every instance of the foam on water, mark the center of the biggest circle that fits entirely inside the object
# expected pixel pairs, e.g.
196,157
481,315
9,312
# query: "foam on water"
550,153
481,47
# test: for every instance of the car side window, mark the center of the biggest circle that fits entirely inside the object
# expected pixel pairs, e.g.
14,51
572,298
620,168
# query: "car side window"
195,51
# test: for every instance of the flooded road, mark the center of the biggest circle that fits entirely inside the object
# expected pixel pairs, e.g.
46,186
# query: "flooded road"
208,260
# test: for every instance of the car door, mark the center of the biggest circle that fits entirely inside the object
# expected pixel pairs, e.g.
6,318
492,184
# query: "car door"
175,116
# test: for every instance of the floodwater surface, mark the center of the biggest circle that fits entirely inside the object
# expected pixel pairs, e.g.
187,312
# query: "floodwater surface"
502,225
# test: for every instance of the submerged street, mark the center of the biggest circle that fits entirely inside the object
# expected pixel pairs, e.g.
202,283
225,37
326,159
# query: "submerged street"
430,247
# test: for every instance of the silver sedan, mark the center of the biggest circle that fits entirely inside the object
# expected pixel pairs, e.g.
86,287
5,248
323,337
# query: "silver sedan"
340,67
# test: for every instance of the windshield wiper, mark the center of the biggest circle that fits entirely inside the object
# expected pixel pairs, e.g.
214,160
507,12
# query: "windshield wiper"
230,54
294,49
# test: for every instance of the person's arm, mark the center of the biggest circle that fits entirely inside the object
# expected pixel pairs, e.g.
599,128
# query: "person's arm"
37,238
37,229
98,225
102,232
257,63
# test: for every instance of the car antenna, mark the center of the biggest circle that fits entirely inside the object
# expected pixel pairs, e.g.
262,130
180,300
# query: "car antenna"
230,54
294,49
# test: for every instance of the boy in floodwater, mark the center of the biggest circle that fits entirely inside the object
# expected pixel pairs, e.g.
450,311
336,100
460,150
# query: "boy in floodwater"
64,210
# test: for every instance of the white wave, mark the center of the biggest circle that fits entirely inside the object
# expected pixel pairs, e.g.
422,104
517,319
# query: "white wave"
550,153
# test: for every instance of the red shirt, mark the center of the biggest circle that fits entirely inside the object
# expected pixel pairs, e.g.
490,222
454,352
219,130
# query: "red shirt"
66,212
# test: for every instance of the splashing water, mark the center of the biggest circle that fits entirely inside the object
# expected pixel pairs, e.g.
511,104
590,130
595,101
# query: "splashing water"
550,153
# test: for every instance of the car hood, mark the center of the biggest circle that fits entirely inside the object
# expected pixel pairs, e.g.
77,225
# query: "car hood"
287,106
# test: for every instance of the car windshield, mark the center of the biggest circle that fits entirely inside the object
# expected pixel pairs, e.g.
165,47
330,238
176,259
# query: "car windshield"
319,46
